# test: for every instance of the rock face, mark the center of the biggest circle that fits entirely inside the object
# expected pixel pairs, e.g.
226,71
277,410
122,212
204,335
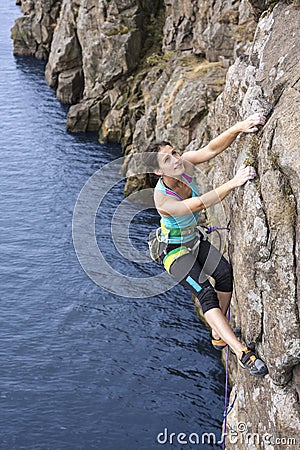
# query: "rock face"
178,98
64,67
211,29
98,42
184,71
32,33
264,238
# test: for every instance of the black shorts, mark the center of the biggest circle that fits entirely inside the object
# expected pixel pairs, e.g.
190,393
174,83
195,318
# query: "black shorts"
192,270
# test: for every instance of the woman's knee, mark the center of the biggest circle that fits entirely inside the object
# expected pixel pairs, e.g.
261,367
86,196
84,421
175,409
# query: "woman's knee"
208,298
223,277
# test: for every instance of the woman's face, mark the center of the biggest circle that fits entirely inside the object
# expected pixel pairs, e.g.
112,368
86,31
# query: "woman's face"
170,162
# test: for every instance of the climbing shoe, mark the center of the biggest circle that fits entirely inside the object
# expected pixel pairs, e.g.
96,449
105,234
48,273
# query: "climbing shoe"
219,344
254,365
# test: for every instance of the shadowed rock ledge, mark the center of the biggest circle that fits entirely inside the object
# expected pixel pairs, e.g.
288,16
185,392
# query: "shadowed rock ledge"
136,71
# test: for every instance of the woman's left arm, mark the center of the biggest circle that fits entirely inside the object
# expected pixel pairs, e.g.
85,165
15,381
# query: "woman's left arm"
221,142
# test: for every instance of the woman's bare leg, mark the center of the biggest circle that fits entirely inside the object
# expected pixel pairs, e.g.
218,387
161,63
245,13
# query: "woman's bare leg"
224,302
218,322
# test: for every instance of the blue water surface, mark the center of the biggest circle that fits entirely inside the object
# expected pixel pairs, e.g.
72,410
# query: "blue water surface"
82,368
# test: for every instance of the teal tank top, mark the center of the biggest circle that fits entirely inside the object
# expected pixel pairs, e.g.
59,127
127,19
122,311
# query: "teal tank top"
178,229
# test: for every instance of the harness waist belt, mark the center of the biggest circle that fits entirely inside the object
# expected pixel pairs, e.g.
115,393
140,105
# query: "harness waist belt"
177,232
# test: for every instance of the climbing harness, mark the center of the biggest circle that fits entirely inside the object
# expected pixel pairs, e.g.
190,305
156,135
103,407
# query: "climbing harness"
157,248
217,230
158,242
171,257
177,232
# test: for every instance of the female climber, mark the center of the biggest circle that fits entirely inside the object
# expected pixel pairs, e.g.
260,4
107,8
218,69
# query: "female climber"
189,257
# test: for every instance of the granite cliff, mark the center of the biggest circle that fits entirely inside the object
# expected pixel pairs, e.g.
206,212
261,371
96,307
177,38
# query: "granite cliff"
137,70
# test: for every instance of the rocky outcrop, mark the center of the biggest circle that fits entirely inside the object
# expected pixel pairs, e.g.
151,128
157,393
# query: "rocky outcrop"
64,67
101,51
177,102
93,45
32,33
113,40
178,91
211,29
184,71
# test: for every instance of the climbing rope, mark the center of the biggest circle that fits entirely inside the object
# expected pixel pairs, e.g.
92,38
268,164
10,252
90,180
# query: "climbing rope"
209,230
227,408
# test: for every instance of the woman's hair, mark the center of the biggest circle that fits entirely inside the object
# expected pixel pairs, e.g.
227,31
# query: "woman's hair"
151,161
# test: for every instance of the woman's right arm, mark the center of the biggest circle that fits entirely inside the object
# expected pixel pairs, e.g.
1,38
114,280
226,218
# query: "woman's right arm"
171,207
